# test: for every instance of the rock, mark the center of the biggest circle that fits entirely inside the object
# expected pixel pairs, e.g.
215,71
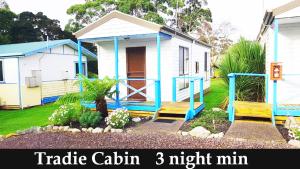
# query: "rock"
49,128
84,129
107,129
55,128
184,133
1,138
136,119
116,130
74,130
290,123
36,130
295,143
216,109
97,130
90,129
200,132
179,132
21,132
66,128
148,118
217,135
61,128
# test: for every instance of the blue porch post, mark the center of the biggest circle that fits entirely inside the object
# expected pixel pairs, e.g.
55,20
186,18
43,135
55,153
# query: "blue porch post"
116,47
192,100
80,64
158,96
174,89
267,88
230,108
201,91
274,112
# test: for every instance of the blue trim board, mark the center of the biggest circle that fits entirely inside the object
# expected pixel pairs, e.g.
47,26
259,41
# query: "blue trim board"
191,114
51,99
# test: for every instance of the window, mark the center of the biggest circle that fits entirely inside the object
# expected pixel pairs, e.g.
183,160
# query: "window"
205,62
83,69
1,71
196,67
183,66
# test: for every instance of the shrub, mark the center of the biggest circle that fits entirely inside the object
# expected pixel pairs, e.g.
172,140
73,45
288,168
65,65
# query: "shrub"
245,57
90,119
209,119
63,115
118,118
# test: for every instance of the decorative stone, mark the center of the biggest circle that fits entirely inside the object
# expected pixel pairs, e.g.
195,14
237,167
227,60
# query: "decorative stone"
200,132
107,129
1,138
55,128
116,130
74,130
49,127
97,130
84,129
217,135
136,119
66,128
36,130
216,109
179,132
184,133
295,143
61,128
90,129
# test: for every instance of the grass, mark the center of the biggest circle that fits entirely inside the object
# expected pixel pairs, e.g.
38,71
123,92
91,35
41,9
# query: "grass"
217,94
13,120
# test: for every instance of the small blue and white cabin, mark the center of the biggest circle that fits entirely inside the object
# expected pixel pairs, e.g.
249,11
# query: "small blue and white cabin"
36,73
155,65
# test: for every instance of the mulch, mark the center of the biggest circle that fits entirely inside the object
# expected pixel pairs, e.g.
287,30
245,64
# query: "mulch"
220,127
64,140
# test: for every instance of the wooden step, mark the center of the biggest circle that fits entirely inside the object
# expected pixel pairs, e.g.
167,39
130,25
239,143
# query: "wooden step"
172,112
171,118
253,109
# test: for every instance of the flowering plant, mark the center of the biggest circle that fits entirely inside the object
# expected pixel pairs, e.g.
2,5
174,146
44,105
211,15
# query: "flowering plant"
118,118
62,115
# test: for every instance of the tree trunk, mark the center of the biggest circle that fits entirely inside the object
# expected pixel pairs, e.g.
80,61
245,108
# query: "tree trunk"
101,106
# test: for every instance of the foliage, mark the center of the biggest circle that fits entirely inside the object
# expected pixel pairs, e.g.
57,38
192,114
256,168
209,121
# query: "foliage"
190,13
6,22
218,38
209,119
29,27
118,118
92,90
3,5
245,57
65,114
90,119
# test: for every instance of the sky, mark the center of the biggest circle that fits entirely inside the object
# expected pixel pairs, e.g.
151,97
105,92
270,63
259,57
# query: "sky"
244,15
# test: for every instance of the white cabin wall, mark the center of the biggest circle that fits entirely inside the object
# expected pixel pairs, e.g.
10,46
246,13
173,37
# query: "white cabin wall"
10,69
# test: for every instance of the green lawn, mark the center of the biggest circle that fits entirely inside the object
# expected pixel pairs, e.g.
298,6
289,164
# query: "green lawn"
13,120
218,92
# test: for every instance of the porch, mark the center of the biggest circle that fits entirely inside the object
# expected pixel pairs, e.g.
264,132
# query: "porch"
151,103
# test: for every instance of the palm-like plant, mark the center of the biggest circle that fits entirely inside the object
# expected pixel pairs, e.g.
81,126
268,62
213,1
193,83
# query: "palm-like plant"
245,57
93,91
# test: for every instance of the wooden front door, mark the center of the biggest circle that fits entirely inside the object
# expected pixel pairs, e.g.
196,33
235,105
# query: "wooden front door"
136,68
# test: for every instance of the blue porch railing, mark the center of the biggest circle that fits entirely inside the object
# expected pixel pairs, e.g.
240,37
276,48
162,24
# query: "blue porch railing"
124,101
232,77
192,111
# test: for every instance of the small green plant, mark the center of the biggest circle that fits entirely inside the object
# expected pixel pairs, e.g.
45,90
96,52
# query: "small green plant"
210,119
64,115
118,118
90,119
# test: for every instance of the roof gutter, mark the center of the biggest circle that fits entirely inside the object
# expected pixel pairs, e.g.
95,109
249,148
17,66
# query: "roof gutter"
267,21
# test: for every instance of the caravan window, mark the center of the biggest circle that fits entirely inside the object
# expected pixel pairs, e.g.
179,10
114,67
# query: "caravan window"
183,66
1,71
83,69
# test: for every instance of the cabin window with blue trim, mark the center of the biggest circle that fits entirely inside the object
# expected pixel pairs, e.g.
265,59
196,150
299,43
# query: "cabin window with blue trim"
183,67
83,69
1,71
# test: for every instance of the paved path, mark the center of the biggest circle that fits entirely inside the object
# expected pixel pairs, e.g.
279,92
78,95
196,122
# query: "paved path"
254,131
158,127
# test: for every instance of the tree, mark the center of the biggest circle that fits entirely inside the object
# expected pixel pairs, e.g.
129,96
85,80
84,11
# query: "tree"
191,13
31,27
6,22
218,38
93,91
4,5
